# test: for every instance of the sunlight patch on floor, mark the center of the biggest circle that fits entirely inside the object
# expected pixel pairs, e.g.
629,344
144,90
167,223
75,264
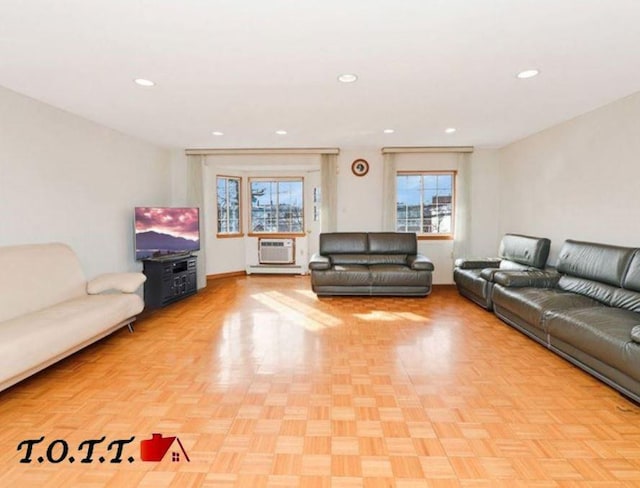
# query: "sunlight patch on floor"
300,313
383,316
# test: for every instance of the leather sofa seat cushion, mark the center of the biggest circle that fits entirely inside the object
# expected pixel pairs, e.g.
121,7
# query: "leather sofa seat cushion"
601,332
388,259
396,275
343,275
530,304
49,333
597,262
362,259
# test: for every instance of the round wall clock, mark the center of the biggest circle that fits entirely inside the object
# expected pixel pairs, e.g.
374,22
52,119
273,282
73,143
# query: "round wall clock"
360,167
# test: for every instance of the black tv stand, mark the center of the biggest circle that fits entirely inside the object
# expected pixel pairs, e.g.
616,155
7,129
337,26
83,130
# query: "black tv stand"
169,279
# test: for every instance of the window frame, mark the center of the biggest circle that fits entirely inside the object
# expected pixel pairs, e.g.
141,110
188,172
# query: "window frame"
278,180
430,236
240,233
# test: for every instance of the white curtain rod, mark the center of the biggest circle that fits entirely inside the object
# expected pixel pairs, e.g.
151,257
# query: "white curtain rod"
427,149
257,151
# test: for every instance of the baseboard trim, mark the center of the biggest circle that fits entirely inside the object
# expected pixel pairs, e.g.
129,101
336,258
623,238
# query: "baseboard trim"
230,274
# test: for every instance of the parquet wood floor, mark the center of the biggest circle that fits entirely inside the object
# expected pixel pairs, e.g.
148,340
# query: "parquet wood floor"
266,385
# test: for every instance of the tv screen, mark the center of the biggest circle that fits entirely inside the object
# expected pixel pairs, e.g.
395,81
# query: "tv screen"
163,231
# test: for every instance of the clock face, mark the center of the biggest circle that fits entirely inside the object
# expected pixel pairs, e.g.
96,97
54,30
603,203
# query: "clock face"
360,167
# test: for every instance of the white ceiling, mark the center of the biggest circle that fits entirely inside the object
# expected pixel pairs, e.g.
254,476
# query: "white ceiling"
248,68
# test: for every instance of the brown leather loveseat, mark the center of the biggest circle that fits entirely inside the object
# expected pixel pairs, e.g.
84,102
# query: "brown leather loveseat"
370,263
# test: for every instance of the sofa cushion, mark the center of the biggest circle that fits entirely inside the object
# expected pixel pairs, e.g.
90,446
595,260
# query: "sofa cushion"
343,243
342,275
393,243
353,258
597,262
525,250
532,304
47,335
601,332
627,299
400,259
635,334
41,276
632,276
397,275
589,288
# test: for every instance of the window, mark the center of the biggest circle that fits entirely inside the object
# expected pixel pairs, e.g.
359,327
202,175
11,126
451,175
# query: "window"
277,205
425,203
228,193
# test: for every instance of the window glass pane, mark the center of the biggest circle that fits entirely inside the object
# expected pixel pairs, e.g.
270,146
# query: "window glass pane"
277,206
228,201
424,203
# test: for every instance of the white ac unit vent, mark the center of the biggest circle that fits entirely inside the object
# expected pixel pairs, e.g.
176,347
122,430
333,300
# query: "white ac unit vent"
276,251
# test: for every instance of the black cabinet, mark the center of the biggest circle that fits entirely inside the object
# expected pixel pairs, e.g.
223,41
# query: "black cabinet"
169,280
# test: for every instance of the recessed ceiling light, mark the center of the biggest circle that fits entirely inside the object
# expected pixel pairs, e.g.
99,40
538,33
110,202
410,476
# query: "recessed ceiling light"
143,82
450,130
217,133
281,132
528,73
389,131
347,78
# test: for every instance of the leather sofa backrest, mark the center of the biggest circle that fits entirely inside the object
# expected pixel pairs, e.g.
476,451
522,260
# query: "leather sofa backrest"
37,276
598,262
344,243
393,243
525,250
632,276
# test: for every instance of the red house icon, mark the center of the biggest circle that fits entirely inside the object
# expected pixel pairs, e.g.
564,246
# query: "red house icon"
155,448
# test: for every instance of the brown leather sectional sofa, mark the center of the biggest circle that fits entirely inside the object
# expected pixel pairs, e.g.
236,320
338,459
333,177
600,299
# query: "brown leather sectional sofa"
586,309
370,263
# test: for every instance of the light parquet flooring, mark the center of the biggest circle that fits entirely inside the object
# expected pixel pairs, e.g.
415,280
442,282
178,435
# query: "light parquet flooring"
268,386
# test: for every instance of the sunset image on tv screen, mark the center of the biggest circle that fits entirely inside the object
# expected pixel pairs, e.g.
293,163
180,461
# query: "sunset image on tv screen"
162,230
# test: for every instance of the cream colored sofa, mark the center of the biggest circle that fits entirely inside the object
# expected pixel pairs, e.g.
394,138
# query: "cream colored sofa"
48,310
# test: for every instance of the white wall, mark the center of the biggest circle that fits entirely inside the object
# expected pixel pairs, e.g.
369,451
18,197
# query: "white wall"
359,197
578,180
484,204
66,179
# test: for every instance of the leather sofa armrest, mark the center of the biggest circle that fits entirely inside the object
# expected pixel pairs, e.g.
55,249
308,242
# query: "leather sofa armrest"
122,282
635,334
489,273
477,263
319,262
420,262
527,278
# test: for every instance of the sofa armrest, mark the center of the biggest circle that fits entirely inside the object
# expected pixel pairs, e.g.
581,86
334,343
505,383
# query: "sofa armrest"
527,278
420,262
122,282
635,334
477,263
319,262
489,273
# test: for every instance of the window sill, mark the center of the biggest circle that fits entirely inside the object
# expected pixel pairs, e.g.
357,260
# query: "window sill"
277,235
229,236
442,237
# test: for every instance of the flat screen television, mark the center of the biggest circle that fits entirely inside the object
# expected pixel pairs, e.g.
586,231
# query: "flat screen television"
165,231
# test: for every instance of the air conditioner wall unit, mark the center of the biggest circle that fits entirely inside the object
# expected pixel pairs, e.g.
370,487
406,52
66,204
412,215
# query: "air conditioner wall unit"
276,251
